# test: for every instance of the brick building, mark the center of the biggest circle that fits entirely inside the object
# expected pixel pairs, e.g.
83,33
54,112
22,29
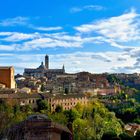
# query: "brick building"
66,101
38,127
7,77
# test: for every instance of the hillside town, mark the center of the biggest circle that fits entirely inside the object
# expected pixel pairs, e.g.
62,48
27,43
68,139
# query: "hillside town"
61,89
55,85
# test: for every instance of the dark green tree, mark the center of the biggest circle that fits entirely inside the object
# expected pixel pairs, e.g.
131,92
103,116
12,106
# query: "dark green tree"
42,88
71,114
109,135
42,105
137,136
58,109
125,136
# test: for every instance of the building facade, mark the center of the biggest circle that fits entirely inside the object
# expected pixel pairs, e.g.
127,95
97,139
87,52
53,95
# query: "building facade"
43,70
7,77
38,127
66,101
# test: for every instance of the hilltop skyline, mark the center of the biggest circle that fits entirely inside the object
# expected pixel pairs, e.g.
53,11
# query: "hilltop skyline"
84,35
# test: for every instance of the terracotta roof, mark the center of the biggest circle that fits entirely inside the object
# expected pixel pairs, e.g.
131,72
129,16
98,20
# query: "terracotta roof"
6,67
19,96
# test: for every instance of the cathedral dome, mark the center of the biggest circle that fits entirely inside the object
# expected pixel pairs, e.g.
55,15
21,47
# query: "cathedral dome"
42,66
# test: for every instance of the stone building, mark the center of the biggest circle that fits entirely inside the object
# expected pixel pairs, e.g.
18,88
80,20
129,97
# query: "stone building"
66,101
43,70
7,77
38,127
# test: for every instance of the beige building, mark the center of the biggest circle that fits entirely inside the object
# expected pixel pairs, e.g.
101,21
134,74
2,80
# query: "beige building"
66,101
7,77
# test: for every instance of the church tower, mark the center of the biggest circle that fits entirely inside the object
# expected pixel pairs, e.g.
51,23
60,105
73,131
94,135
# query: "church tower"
63,68
47,61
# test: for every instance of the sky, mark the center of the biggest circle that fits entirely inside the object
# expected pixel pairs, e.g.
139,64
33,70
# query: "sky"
85,35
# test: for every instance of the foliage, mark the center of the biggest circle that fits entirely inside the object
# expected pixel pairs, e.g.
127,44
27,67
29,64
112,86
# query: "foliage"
125,136
59,118
58,109
71,114
137,136
109,135
42,88
42,105
89,122
97,120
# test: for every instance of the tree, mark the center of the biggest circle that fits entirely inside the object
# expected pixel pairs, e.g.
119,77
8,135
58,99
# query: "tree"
71,114
42,105
16,109
42,88
137,136
58,117
125,136
83,130
58,109
109,135
66,90
26,109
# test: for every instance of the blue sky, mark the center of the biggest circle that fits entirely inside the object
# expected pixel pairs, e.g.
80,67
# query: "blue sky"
84,35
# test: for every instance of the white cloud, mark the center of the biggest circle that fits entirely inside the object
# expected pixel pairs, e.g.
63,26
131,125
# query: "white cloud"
35,40
5,33
79,61
49,43
87,7
14,21
15,37
93,62
48,28
122,28
94,7
6,54
7,47
114,31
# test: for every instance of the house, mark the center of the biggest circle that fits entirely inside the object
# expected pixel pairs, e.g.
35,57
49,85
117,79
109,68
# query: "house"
132,128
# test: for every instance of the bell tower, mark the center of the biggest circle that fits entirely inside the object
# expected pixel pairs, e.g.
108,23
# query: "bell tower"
47,62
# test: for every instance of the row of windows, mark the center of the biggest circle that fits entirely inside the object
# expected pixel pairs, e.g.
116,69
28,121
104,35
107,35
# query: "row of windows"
69,100
61,102
67,106
74,103
28,101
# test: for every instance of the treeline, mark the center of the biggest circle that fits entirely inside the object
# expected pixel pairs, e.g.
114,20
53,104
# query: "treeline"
125,105
89,122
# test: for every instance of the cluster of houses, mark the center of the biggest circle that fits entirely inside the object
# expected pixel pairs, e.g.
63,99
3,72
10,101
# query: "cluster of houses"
58,88
54,85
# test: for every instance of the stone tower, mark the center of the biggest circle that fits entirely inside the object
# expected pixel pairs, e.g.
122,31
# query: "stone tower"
7,77
63,68
47,61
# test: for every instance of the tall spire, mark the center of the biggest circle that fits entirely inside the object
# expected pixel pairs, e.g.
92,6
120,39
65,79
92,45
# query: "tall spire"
47,61
63,68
